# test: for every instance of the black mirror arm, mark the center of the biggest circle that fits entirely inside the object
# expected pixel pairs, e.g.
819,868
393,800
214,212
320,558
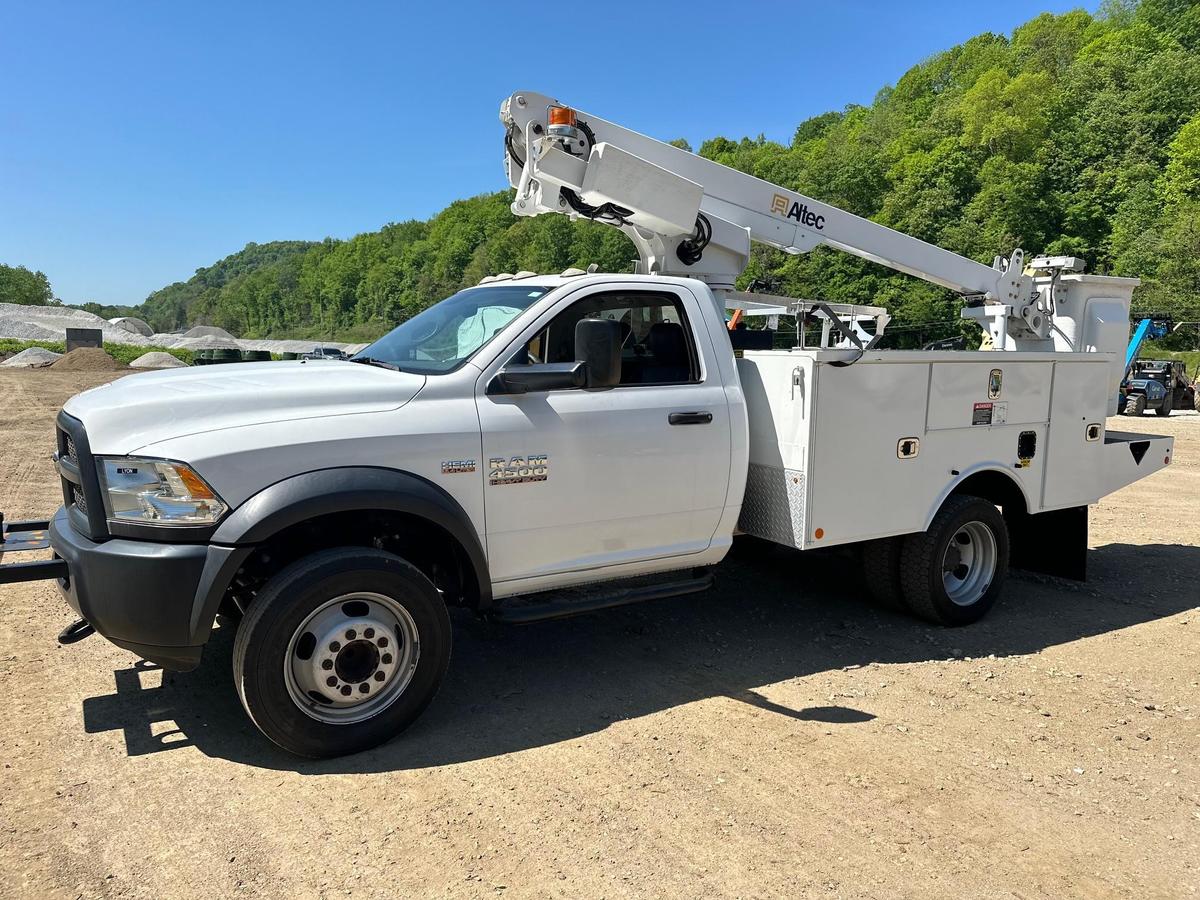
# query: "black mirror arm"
539,377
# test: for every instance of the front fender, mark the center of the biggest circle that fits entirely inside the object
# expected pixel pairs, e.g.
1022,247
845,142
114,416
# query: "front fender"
350,489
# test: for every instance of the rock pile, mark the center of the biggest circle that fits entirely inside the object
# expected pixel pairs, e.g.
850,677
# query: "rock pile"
33,358
86,359
157,360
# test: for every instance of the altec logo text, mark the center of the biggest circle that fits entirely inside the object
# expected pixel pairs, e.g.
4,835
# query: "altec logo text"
781,205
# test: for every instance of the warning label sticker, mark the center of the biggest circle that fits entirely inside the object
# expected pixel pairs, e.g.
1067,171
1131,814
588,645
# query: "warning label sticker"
982,414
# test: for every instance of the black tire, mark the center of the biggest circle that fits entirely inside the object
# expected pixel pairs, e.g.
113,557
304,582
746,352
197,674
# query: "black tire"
881,571
260,650
1136,405
1168,403
924,555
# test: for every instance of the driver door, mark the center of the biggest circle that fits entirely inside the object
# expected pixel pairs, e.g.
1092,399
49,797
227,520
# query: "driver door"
580,479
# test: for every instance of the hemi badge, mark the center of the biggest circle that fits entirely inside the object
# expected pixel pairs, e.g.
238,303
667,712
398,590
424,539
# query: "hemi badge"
457,466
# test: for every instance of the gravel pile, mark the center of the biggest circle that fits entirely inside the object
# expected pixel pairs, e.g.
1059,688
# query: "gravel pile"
86,359
50,323
19,321
208,331
12,327
33,358
157,360
206,342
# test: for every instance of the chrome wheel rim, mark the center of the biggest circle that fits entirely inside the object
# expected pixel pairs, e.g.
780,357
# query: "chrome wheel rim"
351,658
969,563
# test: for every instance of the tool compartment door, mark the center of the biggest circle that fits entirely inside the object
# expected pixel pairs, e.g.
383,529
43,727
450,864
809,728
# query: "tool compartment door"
1075,443
858,486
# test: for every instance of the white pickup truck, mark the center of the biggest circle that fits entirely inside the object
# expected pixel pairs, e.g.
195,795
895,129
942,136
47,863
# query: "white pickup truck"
537,433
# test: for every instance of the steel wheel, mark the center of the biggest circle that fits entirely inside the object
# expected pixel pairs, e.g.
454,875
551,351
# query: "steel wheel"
969,563
351,658
952,572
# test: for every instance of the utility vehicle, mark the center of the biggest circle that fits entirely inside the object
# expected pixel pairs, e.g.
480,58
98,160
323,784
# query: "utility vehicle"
538,433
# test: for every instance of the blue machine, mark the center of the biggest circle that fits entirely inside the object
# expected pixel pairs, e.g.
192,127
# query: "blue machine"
1147,329
1160,385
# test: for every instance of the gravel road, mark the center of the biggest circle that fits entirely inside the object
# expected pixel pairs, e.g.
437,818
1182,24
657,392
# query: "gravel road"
774,737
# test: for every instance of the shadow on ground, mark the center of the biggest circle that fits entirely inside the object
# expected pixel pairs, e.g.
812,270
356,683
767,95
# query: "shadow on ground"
774,614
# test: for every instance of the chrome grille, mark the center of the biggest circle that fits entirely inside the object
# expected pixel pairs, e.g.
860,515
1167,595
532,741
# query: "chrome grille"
72,453
80,501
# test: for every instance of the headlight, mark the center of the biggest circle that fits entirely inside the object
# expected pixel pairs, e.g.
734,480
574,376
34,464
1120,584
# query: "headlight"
156,492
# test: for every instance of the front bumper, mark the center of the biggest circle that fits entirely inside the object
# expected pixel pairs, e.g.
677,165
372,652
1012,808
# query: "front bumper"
157,600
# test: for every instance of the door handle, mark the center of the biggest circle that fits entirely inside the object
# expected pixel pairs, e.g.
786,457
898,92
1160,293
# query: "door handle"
690,418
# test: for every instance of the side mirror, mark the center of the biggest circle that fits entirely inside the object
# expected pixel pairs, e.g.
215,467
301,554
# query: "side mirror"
539,377
598,347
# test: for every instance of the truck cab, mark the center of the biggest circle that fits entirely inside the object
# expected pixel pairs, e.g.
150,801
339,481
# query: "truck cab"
447,445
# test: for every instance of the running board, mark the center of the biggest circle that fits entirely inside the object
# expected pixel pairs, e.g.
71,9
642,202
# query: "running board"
561,607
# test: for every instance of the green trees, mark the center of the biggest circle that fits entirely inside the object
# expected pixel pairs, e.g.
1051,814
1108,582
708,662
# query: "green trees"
359,288
19,285
1079,134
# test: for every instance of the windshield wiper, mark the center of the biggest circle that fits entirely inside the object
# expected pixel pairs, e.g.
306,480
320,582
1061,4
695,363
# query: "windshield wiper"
372,361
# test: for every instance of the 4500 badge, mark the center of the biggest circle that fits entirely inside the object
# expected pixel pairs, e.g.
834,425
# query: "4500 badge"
518,469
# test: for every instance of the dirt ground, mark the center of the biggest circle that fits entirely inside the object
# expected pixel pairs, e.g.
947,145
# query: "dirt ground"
774,737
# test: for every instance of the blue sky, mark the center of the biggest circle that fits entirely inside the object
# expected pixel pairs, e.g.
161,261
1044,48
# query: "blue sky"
141,141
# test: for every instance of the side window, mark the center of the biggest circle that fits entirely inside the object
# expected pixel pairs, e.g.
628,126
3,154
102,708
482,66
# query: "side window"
657,347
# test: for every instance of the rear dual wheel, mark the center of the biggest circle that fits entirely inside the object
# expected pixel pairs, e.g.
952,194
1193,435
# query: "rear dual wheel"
951,573
341,651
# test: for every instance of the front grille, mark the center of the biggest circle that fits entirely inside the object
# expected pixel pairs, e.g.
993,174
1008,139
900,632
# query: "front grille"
80,483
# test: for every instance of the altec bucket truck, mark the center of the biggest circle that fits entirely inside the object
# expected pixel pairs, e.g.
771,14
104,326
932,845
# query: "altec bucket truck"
528,446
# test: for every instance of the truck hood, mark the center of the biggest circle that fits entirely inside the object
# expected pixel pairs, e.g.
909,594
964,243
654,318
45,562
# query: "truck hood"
129,413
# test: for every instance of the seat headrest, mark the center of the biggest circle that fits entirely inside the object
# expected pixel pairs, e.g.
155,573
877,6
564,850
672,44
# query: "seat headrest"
667,343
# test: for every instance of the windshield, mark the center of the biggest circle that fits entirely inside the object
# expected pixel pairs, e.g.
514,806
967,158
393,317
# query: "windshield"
446,335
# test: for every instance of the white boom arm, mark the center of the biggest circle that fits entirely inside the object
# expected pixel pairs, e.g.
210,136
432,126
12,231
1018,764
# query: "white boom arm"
690,216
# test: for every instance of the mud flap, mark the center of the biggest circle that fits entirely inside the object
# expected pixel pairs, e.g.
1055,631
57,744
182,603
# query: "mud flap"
1051,543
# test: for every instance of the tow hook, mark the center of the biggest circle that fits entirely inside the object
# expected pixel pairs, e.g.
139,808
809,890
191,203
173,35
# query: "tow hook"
76,632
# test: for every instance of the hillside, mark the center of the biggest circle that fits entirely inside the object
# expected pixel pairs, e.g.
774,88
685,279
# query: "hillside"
1076,134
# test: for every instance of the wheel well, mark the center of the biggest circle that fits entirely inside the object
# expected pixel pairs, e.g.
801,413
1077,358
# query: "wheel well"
421,542
997,487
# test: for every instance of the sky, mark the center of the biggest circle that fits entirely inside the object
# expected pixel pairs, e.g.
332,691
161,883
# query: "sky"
139,142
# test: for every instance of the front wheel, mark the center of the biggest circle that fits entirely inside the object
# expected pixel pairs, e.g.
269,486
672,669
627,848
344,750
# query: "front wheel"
341,651
952,573
1168,403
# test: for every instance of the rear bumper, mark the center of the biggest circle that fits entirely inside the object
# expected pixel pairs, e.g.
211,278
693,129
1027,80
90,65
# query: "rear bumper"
1129,457
156,600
